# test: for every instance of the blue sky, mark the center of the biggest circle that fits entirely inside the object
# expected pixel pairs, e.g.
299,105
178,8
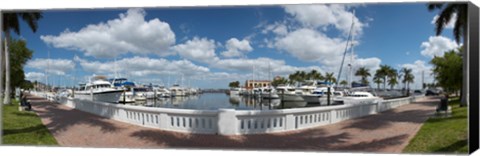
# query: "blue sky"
212,46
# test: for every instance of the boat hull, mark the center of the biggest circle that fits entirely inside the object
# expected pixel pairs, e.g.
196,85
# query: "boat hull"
109,96
126,97
270,95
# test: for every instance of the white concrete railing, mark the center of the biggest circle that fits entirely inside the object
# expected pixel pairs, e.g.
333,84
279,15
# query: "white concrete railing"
230,121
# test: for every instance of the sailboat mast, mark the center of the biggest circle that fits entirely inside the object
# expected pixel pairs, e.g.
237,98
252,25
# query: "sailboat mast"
346,48
352,54
115,68
269,73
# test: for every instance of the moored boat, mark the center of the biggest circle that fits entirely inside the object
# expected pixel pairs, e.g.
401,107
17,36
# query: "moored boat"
99,89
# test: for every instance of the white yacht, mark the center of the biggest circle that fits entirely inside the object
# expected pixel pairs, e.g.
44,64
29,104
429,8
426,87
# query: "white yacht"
357,97
268,93
322,95
140,93
234,91
99,90
162,92
176,90
285,89
122,83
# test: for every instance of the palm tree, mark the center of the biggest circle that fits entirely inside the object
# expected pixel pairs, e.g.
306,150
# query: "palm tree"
364,73
407,77
448,10
377,79
383,73
330,78
11,23
314,75
392,81
392,77
344,83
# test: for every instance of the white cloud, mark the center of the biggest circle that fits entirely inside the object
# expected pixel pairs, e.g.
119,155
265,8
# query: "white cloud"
262,67
197,49
128,33
54,66
236,48
277,28
418,67
310,45
437,45
323,16
35,76
451,23
143,66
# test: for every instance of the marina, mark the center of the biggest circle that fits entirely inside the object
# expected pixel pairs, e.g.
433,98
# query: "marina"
309,76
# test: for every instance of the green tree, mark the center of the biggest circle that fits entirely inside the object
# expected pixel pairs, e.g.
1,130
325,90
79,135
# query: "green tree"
21,54
278,81
234,84
384,72
408,78
392,77
448,71
11,23
330,78
392,81
364,73
314,75
378,80
344,83
448,10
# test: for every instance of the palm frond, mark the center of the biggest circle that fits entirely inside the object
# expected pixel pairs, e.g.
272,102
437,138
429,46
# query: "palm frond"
434,5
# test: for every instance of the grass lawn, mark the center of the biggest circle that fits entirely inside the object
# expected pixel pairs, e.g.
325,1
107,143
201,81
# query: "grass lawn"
443,135
24,128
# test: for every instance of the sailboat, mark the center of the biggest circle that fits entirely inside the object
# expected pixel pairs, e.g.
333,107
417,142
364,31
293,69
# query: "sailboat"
353,96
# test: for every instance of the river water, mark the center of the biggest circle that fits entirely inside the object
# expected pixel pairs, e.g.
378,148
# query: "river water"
215,101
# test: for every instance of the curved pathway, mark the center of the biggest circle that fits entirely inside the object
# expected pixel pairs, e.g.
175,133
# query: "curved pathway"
388,132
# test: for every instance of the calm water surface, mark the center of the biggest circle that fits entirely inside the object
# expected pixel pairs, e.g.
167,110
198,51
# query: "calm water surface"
215,101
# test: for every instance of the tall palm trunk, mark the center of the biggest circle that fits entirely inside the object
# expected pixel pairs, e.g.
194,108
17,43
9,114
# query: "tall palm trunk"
385,83
7,97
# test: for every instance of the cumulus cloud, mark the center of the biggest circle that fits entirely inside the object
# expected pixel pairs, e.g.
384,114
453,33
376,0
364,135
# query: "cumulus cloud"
261,67
128,33
323,16
277,28
197,49
451,23
143,66
53,66
236,48
35,76
310,45
437,45
418,67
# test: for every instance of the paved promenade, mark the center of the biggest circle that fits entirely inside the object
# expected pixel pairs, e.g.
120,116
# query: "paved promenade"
389,131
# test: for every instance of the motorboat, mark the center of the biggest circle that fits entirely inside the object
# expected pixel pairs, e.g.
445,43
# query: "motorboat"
285,89
357,97
122,83
234,91
162,92
176,90
99,89
321,94
140,93
268,93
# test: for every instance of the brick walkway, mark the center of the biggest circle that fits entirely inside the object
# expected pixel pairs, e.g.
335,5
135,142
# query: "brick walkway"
388,132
